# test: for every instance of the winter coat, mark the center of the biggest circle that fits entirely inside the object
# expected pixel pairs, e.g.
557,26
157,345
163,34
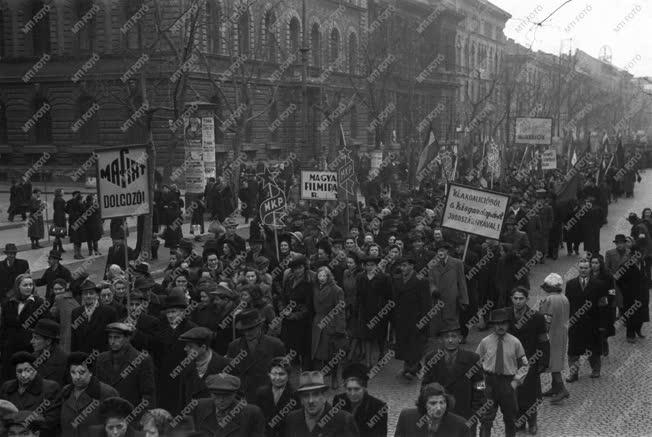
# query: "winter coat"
78,415
329,321
410,425
61,311
93,221
373,296
584,323
288,401
449,282
49,276
370,416
411,303
40,394
76,228
338,424
556,310
296,301
89,335
242,420
8,275
59,215
53,365
36,228
194,387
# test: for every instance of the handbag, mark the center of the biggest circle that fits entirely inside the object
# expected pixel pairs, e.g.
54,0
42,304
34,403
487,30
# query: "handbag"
57,231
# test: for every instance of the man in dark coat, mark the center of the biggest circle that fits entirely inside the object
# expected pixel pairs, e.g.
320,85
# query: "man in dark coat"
75,209
53,272
10,268
370,413
516,238
116,255
585,296
126,369
318,417
252,353
29,391
201,362
590,222
89,321
51,360
230,236
59,219
529,326
146,325
224,414
278,398
16,199
412,303
458,371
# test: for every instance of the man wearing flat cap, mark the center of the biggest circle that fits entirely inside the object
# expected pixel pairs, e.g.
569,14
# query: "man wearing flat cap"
90,320
53,272
10,268
448,288
126,369
51,358
458,370
201,361
256,350
146,324
225,413
29,391
318,417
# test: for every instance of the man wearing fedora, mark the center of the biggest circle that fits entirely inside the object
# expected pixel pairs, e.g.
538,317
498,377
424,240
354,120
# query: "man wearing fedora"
505,366
230,236
448,285
126,369
89,321
225,413
51,359
318,417
10,268
458,371
203,362
252,353
54,271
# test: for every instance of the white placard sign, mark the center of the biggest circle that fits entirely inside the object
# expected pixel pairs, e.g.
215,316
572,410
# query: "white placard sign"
122,181
531,130
319,185
475,211
549,159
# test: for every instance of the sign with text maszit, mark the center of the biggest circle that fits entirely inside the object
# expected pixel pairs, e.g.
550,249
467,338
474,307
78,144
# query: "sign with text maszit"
122,181
531,130
319,185
475,211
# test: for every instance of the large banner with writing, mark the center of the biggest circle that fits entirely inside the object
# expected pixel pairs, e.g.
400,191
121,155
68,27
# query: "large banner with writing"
319,185
475,211
531,130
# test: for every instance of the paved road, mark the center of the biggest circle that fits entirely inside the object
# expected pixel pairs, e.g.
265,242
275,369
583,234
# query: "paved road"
617,404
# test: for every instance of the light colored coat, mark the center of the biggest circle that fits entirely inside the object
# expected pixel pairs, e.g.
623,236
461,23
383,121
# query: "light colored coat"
556,309
449,281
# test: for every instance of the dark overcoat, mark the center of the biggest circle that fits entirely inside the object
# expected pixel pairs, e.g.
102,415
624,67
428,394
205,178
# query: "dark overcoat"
36,227
88,335
590,224
584,323
410,424
412,302
76,230
339,424
79,414
194,387
370,416
40,394
93,221
296,301
54,366
130,372
275,413
636,296
245,421
59,214
373,295
252,367
329,321
49,276
8,275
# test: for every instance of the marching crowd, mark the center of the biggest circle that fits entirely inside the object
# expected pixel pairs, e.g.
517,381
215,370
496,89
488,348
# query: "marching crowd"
253,337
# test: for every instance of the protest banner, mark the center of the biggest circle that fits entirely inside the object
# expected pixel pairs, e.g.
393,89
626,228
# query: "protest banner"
475,211
531,130
319,185
549,159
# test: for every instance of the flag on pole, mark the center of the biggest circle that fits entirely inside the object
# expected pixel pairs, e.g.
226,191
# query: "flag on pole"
619,161
573,160
429,152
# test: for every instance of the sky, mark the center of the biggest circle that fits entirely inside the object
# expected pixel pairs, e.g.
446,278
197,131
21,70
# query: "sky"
622,26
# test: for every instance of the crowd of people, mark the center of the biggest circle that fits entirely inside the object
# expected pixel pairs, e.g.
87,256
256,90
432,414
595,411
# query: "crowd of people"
252,337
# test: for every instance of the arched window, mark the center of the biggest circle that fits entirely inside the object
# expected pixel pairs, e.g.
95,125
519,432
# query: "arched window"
41,30
315,45
353,54
4,135
334,46
87,114
243,33
295,29
214,15
84,27
41,114
131,30
269,36
354,122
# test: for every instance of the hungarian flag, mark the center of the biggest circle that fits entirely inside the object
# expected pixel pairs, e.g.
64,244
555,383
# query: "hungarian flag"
619,160
429,152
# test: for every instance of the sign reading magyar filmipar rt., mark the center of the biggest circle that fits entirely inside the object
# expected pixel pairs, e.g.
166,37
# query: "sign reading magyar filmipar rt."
122,181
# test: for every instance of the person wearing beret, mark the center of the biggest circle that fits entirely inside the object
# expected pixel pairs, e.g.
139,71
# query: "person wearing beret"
434,405
448,287
126,369
256,351
89,321
169,351
201,361
317,416
24,423
458,371
370,413
277,398
51,358
54,271
83,394
10,268
225,413
29,391
117,416
412,302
